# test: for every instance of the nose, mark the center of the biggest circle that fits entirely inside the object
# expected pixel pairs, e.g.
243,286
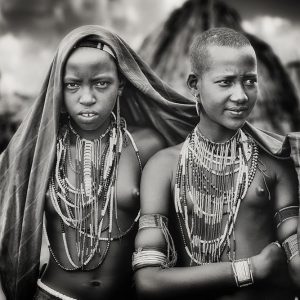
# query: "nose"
238,94
87,97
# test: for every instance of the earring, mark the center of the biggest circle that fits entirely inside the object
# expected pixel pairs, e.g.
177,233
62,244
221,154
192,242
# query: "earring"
198,108
118,118
198,103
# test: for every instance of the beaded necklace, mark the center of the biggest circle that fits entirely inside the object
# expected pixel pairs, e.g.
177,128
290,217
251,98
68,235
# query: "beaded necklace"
90,207
214,178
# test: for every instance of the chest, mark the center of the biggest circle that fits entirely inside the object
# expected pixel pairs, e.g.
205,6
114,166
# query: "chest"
126,177
209,218
212,193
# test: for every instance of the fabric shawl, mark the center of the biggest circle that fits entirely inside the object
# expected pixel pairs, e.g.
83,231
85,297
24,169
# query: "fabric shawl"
26,164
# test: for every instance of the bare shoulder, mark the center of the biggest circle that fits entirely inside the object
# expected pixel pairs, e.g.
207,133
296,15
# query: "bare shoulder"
157,178
164,162
284,179
148,141
277,167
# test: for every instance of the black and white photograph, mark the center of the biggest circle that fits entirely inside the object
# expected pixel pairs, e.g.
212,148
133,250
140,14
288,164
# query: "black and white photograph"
149,149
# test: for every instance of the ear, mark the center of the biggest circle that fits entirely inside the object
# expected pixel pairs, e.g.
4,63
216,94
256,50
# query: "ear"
192,82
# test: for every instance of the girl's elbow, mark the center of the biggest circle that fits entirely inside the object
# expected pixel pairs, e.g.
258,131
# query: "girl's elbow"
146,283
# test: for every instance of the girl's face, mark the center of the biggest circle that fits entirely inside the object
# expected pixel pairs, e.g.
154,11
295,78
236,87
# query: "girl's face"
91,85
227,90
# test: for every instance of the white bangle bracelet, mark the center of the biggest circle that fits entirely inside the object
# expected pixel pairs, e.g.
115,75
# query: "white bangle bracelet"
242,272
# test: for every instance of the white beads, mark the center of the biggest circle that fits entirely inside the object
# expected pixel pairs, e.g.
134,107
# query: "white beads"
214,177
88,162
242,272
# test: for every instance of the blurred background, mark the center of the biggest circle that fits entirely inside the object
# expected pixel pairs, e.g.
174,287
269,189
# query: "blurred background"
161,32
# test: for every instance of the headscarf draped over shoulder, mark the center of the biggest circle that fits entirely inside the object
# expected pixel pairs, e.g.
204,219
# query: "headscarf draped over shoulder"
26,164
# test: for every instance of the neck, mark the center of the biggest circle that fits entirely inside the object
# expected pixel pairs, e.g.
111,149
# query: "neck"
216,134
91,134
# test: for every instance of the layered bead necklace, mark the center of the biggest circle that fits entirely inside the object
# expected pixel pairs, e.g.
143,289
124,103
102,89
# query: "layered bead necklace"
211,180
90,207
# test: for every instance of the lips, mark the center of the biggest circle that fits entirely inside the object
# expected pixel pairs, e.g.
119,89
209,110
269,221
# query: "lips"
237,112
238,109
87,114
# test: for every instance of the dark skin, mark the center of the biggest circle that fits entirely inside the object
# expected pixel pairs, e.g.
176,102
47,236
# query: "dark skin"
227,92
92,84
116,269
255,230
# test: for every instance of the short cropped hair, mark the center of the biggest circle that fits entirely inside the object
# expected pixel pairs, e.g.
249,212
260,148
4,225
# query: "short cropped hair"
221,36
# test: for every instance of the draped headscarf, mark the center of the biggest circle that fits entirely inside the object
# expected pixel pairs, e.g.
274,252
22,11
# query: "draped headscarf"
26,164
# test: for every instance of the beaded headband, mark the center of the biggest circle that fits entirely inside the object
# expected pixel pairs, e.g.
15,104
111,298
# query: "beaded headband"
91,43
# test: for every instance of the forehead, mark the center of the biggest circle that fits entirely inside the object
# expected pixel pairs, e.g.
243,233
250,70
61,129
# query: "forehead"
90,58
229,58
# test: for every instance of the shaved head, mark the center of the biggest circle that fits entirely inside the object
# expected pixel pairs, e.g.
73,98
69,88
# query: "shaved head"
223,37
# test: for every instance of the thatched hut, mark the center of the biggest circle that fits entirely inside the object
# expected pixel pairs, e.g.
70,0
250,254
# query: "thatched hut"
166,50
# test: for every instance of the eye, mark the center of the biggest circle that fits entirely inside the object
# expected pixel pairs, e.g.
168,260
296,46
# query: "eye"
102,84
224,83
250,82
71,85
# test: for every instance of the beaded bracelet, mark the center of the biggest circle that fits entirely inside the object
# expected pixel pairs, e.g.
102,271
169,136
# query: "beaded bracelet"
161,222
242,272
148,258
290,246
153,221
286,213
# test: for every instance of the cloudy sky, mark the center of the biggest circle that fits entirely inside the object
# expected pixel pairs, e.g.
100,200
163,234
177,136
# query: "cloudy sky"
275,21
30,29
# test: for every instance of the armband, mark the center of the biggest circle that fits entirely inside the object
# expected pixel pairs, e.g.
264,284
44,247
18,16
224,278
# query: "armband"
290,246
285,214
161,222
242,272
148,258
153,221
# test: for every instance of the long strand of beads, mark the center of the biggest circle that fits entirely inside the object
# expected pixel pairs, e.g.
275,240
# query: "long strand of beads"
215,178
89,206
